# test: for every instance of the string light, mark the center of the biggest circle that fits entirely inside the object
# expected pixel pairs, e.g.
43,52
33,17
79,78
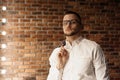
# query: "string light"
4,20
3,32
3,71
3,58
4,8
3,46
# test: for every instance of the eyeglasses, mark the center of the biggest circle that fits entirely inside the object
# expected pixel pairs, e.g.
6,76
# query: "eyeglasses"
71,22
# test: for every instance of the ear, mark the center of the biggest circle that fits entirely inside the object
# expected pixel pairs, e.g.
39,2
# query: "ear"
81,26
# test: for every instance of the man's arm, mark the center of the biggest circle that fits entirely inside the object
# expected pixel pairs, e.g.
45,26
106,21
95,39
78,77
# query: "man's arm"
101,70
54,73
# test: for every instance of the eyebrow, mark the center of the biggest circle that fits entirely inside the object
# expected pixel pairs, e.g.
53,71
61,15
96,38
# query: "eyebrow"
71,19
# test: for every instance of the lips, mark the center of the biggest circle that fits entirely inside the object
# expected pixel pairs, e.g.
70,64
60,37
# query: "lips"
68,29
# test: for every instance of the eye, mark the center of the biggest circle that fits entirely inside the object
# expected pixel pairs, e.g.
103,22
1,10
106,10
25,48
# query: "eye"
73,22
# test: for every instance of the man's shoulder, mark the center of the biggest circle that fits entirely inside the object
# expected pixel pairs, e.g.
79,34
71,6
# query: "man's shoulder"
89,42
56,49
54,53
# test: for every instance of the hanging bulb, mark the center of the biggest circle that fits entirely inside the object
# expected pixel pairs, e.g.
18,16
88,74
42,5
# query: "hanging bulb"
3,46
3,58
4,20
4,8
3,33
3,71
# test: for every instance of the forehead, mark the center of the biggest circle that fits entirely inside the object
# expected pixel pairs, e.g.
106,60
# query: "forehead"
70,17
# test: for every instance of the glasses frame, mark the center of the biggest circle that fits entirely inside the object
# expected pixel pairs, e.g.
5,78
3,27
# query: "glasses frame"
70,22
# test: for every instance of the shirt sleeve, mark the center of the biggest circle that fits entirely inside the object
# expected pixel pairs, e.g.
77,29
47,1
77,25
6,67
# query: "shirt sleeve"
100,66
54,73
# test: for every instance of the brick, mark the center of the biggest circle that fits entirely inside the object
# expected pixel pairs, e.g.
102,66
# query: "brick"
29,55
29,70
24,67
34,29
6,63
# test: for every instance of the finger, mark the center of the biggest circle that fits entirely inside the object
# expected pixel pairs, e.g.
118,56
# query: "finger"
65,54
62,48
61,54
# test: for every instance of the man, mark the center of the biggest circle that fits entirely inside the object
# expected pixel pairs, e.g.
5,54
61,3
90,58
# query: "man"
78,58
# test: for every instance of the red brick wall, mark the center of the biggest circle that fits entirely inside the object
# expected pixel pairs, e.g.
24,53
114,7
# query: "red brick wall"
34,29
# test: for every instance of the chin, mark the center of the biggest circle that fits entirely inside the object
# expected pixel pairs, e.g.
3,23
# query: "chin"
68,34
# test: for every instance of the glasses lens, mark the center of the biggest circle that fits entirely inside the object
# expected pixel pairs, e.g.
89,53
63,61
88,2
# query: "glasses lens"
74,21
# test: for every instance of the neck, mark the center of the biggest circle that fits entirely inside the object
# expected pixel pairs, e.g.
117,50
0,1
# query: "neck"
70,39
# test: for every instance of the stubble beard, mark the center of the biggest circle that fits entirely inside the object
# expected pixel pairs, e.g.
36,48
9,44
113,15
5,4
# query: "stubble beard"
72,33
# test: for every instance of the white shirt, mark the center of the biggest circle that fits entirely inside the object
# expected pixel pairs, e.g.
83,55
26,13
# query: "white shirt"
86,62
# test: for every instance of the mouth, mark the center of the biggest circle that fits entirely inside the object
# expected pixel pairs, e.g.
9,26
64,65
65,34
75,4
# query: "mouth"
68,29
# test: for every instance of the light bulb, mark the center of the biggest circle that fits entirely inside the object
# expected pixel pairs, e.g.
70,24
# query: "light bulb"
3,71
3,58
3,32
3,46
4,20
4,8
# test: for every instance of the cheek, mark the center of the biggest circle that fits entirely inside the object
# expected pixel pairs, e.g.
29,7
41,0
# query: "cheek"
76,28
64,29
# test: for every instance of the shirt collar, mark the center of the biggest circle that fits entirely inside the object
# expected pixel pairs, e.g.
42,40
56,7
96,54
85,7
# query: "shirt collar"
75,42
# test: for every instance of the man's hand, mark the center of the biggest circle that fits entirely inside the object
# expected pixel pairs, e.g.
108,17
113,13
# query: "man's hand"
62,58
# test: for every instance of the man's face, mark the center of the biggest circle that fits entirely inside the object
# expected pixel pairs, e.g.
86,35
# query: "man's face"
71,25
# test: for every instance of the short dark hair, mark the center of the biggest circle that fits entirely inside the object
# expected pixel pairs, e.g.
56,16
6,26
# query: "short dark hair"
72,12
